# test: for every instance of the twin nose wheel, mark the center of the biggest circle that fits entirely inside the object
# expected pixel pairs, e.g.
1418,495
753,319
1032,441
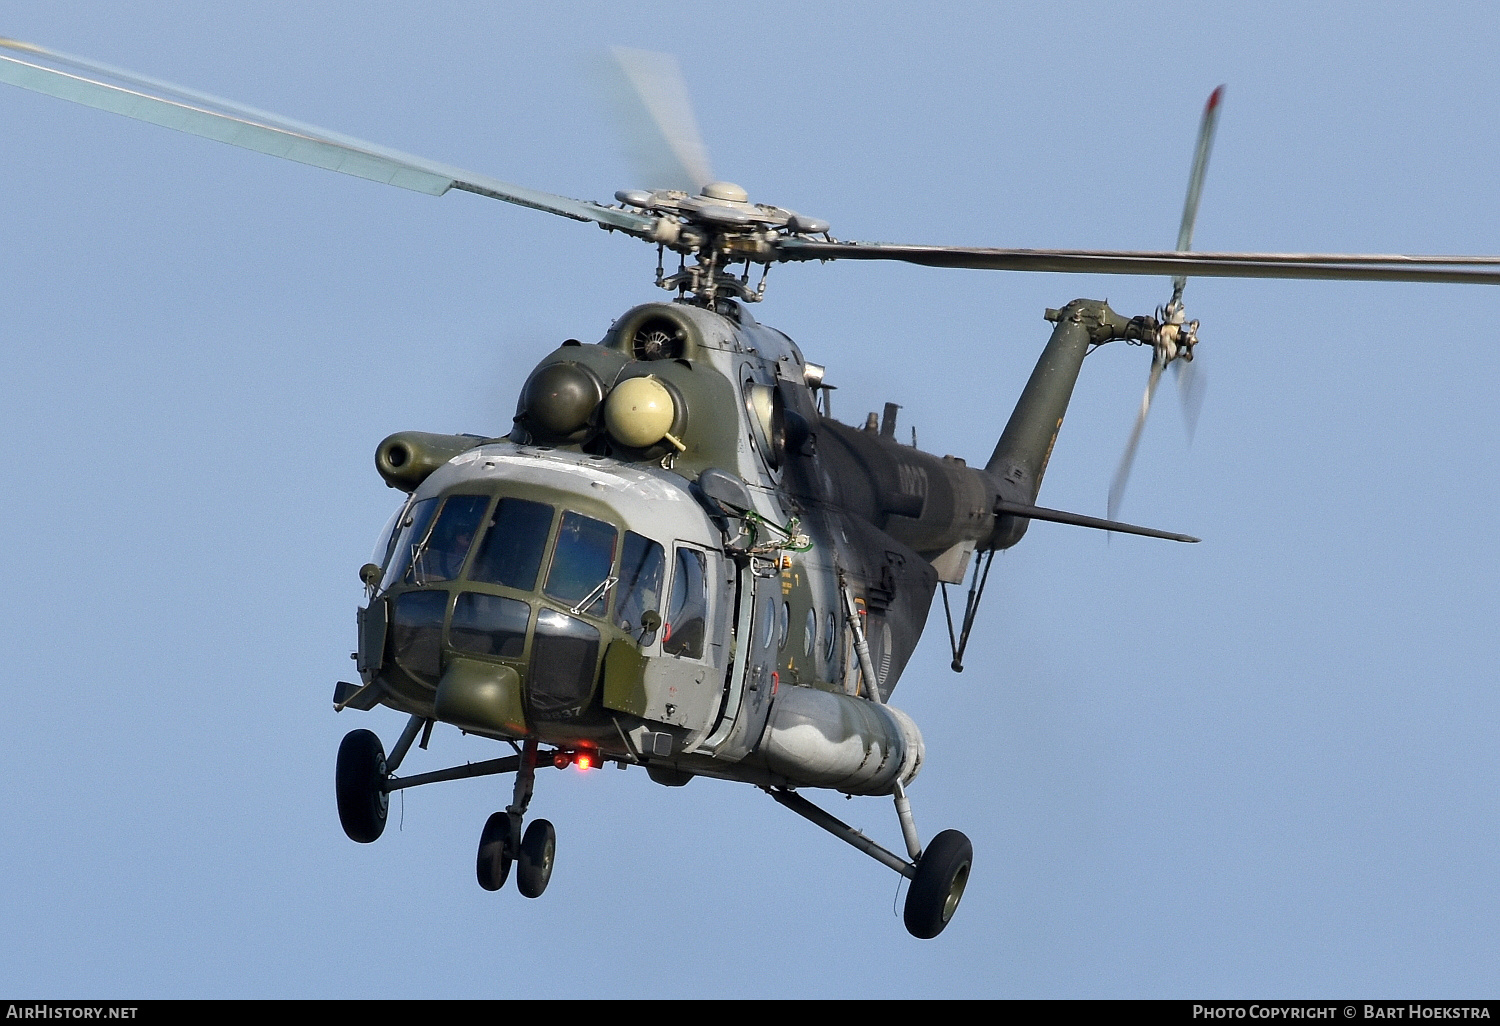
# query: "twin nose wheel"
533,855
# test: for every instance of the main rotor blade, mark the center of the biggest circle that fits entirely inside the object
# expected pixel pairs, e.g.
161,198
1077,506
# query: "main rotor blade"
661,132
1122,475
187,110
1206,128
1474,270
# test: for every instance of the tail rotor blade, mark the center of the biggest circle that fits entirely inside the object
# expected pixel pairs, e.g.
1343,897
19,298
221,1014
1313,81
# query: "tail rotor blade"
1206,129
1192,382
1122,475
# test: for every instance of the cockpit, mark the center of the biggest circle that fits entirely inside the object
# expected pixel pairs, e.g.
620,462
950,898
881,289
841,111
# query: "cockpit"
538,586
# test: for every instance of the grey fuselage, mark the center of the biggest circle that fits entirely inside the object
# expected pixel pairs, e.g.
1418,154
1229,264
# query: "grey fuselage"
680,602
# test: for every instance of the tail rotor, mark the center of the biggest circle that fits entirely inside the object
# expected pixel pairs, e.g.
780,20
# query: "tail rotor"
1171,335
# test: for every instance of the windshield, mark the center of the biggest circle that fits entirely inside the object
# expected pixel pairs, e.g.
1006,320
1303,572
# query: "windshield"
413,530
581,562
387,542
441,556
511,552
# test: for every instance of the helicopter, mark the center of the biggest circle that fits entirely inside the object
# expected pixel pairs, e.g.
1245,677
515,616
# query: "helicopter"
754,573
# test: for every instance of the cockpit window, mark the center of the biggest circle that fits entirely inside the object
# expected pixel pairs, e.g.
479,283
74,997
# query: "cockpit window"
442,555
417,632
387,543
413,532
643,564
511,552
489,624
581,563
687,616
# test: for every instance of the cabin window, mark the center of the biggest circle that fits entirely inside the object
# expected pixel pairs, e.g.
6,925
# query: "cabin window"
810,633
442,555
511,552
767,616
489,625
643,567
783,625
687,616
581,563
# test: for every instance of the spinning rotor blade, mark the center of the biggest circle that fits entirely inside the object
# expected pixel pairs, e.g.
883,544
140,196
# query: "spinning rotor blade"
1166,349
196,113
1473,270
1206,128
1191,384
1122,474
656,118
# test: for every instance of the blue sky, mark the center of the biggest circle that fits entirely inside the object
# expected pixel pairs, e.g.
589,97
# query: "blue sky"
1260,766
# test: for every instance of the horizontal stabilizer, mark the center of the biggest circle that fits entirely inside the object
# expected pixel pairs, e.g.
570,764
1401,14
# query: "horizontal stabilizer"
1057,516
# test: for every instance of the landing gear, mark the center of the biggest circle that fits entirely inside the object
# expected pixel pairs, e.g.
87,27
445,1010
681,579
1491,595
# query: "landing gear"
359,782
493,864
938,875
938,884
502,843
366,777
534,863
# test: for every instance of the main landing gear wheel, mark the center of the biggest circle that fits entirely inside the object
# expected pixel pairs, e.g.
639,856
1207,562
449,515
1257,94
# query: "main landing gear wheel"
359,783
493,864
534,862
938,886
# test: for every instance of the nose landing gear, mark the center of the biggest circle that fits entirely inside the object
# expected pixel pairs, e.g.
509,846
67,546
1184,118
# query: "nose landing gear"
501,842
493,865
534,863
365,777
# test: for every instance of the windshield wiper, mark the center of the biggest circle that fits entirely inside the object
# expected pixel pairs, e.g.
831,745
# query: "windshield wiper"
600,590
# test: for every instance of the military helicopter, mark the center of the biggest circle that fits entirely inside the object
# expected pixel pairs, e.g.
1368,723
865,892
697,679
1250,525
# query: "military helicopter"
677,558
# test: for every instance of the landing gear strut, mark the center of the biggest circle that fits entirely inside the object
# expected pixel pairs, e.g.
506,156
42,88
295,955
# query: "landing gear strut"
502,842
938,874
365,777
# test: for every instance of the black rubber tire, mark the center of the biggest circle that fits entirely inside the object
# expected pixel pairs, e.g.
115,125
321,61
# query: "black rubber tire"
938,886
358,781
492,867
534,861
